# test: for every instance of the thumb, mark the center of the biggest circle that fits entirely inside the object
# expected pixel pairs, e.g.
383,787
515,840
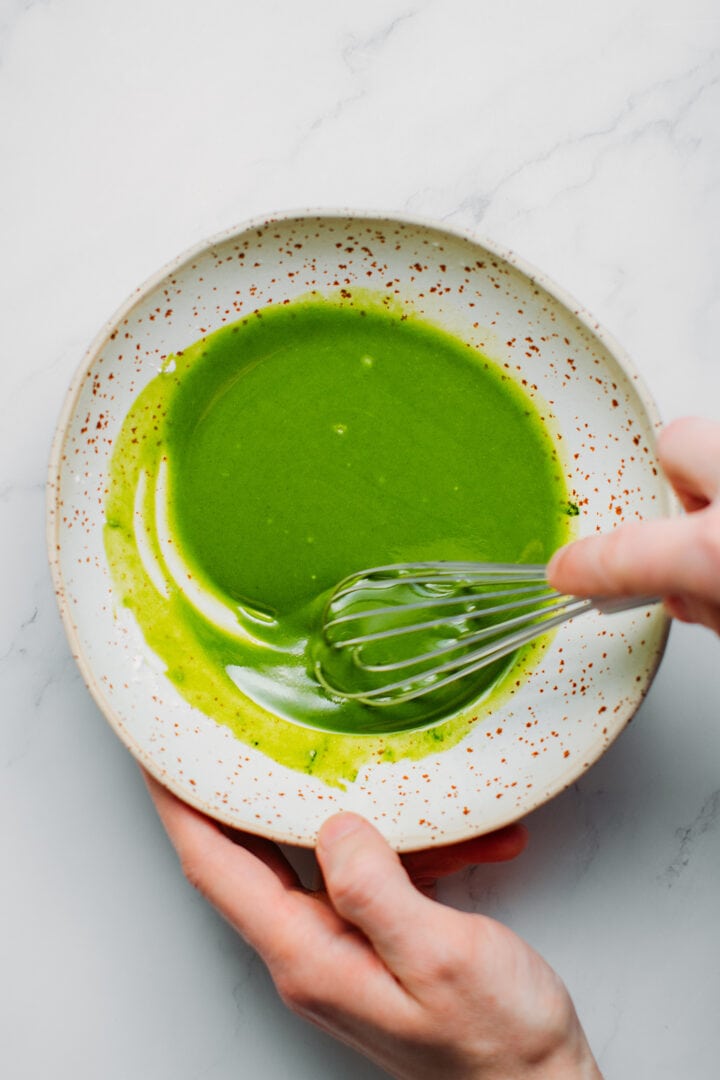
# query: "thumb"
657,558
368,886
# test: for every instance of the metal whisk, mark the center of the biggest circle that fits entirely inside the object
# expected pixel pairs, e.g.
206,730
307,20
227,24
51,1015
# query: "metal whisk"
409,629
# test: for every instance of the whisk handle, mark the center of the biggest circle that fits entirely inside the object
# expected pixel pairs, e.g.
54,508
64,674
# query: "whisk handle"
614,604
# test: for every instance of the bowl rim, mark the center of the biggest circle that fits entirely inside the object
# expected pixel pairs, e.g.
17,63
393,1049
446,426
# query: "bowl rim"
263,221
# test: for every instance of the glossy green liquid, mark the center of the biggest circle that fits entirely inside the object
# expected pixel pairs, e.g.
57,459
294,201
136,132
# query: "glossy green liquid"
302,444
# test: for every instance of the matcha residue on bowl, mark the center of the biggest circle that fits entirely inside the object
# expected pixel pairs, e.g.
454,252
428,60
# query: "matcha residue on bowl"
275,456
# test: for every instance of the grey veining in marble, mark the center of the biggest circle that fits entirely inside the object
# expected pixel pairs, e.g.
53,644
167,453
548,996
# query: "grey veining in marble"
584,138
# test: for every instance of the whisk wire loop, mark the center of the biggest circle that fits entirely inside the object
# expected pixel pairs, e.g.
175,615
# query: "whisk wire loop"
447,620
513,604
564,604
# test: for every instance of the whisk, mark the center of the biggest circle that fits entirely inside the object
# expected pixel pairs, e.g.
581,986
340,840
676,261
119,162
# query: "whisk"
409,629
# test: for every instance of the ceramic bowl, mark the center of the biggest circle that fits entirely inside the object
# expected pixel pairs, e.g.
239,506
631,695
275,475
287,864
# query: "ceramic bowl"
582,690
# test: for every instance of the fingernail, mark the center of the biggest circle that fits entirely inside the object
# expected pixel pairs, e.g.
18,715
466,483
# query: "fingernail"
338,827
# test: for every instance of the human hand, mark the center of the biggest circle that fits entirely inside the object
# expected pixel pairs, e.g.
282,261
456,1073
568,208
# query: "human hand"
422,990
679,558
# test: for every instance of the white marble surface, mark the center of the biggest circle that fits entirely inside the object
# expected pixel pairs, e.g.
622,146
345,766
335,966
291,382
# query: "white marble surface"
586,139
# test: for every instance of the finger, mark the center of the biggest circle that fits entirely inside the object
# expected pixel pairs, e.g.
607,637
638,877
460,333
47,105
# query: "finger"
425,867
369,888
692,609
267,852
172,810
321,968
689,452
249,889
658,558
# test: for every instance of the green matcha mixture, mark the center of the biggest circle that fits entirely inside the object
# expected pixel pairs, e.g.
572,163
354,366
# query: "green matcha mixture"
279,454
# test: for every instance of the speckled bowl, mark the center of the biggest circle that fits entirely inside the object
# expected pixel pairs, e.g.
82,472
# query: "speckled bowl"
589,681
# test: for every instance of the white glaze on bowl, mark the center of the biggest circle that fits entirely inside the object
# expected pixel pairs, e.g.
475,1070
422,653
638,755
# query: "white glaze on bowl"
589,682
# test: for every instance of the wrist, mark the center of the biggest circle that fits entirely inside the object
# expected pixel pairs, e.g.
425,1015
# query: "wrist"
564,1057
572,1060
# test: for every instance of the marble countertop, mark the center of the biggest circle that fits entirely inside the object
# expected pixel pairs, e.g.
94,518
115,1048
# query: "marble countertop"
586,140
